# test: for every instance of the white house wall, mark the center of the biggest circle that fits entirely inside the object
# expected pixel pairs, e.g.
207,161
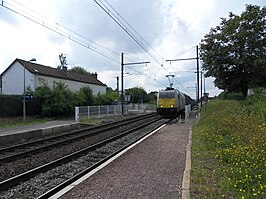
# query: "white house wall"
72,85
13,82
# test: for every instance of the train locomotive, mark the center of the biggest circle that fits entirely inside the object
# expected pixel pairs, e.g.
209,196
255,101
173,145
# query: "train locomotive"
171,103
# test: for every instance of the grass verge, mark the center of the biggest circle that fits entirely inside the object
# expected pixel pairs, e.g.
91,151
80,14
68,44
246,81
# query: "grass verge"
15,122
228,150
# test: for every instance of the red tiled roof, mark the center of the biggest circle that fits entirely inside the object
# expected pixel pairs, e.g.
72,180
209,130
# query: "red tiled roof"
59,73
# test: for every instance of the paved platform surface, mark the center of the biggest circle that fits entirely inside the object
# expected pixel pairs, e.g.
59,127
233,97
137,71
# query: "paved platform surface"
153,169
26,128
21,134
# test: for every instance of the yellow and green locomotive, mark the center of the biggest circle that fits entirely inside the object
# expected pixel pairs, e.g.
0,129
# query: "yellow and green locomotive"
171,103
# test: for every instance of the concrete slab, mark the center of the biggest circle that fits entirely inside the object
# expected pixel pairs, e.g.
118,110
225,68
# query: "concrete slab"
18,134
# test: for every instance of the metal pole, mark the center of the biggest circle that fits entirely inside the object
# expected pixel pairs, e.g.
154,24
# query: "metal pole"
122,77
201,90
204,83
204,93
196,93
24,90
1,84
117,85
122,82
197,52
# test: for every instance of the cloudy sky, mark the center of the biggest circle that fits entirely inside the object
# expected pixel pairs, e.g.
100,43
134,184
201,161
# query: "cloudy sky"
153,31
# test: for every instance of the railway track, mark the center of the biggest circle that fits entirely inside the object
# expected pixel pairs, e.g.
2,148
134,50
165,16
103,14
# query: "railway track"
35,154
21,150
62,171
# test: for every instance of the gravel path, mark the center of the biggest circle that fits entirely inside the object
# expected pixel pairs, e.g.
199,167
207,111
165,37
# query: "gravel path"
152,169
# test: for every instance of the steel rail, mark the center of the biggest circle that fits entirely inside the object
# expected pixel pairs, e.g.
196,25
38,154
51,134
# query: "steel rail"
10,148
69,137
33,172
61,186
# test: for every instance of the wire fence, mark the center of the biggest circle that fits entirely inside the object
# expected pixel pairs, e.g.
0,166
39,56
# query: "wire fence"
85,112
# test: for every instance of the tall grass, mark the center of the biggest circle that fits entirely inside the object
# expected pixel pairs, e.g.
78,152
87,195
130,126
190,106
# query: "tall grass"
228,150
17,121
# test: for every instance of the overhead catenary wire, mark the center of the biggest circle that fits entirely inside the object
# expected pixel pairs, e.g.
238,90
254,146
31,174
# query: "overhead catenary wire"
184,90
59,29
150,71
62,26
183,59
185,51
56,28
108,10
134,30
76,37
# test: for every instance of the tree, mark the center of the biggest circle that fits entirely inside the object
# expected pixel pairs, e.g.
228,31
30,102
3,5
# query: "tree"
80,70
107,98
137,94
57,101
152,97
109,89
235,51
43,93
85,96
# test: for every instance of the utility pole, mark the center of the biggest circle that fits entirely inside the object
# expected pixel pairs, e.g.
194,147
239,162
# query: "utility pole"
122,83
204,92
117,85
201,89
122,77
24,88
197,52
192,58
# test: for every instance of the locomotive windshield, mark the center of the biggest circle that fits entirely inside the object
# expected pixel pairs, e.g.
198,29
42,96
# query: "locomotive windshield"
166,95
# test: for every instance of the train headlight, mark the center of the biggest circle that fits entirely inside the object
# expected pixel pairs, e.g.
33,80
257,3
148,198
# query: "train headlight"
172,106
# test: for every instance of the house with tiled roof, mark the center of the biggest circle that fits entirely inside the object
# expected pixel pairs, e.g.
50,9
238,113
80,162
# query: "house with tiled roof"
22,73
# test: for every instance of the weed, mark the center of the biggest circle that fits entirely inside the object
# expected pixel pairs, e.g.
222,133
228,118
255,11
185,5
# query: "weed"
228,150
17,121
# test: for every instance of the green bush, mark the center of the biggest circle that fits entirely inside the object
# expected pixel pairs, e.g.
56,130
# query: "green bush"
60,101
230,96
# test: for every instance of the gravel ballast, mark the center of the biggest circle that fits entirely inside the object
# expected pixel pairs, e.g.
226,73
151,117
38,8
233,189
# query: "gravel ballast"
42,183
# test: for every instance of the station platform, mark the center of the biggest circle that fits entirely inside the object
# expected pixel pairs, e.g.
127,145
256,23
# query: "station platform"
153,168
17,134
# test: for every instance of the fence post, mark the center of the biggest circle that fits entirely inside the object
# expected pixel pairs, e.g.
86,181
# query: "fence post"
126,107
77,114
88,112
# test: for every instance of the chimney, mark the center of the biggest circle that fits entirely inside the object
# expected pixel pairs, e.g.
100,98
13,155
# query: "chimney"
94,75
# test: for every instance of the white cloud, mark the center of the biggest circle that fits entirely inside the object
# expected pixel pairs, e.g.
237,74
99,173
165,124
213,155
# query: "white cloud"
172,27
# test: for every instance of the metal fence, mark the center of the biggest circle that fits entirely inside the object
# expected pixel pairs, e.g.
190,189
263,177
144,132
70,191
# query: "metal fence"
85,112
